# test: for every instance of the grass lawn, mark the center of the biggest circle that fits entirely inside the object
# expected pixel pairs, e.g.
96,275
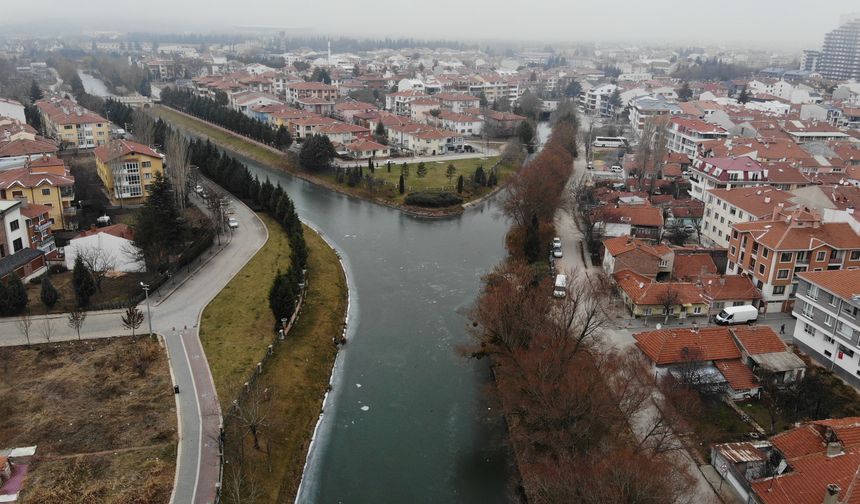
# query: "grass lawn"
237,325
434,180
103,430
296,377
717,423
114,290
759,413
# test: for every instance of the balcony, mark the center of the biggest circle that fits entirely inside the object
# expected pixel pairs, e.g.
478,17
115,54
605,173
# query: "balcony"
44,226
70,211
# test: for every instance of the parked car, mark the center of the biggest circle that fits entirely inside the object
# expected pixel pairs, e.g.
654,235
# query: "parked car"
233,223
590,165
556,242
560,288
556,252
732,315
616,169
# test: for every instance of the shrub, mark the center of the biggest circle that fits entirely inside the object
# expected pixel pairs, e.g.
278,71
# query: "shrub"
433,199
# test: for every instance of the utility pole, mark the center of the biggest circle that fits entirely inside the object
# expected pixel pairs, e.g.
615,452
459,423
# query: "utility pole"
148,313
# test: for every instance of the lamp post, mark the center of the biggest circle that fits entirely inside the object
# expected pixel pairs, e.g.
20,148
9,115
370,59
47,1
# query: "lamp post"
148,313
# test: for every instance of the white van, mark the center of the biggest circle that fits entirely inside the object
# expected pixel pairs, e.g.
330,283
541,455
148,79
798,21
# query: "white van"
560,289
737,315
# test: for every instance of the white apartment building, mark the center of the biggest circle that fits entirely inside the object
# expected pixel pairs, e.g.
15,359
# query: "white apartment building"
596,99
727,207
685,134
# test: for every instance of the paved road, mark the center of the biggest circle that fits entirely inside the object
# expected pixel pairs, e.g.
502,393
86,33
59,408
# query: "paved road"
176,314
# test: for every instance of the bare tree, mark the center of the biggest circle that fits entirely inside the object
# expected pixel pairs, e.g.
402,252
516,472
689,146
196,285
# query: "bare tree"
178,167
24,324
251,412
99,261
241,487
77,317
668,299
144,127
132,318
47,329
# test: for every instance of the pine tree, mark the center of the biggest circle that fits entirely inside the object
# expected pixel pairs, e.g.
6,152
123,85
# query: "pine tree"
460,183
401,186
5,302
422,170
35,92
17,294
48,294
82,283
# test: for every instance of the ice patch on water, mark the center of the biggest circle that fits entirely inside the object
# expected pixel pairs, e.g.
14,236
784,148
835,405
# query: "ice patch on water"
358,385
365,408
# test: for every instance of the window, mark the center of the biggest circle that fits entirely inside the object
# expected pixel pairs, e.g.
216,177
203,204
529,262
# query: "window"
733,250
146,164
67,127
697,310
738,303
808,329
731,265
765,252
14,225
647,311
147,176
761,268
828,320
812,292
779,289
832,301
785,257
664,263
782,274
807,310
17,245
828,339
734,234
855,255
849,310
820,255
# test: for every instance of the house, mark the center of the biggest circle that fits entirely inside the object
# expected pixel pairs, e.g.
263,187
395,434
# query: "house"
723,173
813,463
465,124
28,263
39,223
13,231
728,290
773,251
627,253
19,142
691,267
72,125
44,181
828,320
644,297
727,207
638,221
367,149
684,134
810,131
127,170
458,102
245,101
398,102
115,242
343,133
299,90
316,105
345,111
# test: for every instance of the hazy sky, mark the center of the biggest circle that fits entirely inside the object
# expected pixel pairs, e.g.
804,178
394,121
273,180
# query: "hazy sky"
792,24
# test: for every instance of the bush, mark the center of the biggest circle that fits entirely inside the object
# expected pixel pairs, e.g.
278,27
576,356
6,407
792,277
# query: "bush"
57,268
433,199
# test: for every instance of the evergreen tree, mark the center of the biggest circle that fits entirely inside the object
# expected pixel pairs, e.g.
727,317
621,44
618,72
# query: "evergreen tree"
158,228
685,93
317,153
492,180
35,92
16,295
5,302
743,96
401,185
460,184
48,294
82,283
422,170
450,172
145,88
526,134
321,75
479,178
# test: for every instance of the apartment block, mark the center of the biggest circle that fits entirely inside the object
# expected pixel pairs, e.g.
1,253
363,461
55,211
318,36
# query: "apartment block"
72,125
726,207
724,172
45,181
127,170
684,135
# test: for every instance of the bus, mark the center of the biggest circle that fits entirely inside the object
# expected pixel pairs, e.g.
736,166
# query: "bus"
610,142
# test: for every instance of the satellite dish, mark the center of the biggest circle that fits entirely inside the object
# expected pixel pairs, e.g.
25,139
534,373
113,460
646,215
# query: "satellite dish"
659,326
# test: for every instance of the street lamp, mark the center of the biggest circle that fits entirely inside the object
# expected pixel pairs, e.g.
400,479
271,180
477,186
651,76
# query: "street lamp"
148,313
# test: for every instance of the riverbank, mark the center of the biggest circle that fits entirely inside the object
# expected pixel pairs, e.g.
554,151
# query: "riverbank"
236,330
386,196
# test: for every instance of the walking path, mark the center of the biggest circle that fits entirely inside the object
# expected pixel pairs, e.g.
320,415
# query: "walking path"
176,310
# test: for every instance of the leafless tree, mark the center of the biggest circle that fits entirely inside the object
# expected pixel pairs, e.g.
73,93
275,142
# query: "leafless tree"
178,167
99,261
144,127
24,324
251,412
47,329
76,320
668,299
241,487
132,318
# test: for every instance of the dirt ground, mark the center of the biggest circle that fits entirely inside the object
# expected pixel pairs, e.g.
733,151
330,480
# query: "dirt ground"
103,417
114,290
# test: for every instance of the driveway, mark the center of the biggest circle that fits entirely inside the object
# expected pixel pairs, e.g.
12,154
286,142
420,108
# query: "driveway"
176,309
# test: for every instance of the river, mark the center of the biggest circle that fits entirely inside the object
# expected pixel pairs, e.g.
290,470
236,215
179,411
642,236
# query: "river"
406,420
94,85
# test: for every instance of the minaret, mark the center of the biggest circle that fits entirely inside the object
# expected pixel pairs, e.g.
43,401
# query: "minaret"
329,52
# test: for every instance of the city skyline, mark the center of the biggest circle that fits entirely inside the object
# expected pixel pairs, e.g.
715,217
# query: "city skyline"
685,23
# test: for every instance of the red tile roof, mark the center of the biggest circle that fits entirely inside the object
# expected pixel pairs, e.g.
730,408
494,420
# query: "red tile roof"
843,283
760,339
62,111
665,346
758,201
637,216
119,148
692,266
779,235
118,230
738,374
642,291
729,288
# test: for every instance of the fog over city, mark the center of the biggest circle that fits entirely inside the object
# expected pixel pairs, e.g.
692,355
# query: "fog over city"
786,24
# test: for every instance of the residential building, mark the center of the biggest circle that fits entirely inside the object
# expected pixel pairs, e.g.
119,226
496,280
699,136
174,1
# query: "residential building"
809,60
722,173
398,103
458,102
814,463
127,170
644,297
12,109
596,100
27,263
644,222
298,90
45,181
840,54
13,229
772,252
727,207
465,124
72,125
116,242
828,320
684,134
19,142
628,253
648,107
39,223
729,290
367,149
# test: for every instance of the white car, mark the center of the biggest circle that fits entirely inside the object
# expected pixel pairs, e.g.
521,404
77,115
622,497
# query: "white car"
616,169
556,252
556,242
233,223
198,189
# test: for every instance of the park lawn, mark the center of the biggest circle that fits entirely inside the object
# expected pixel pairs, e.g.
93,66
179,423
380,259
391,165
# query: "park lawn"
298,376
116,291
103,429
237,325
236,329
